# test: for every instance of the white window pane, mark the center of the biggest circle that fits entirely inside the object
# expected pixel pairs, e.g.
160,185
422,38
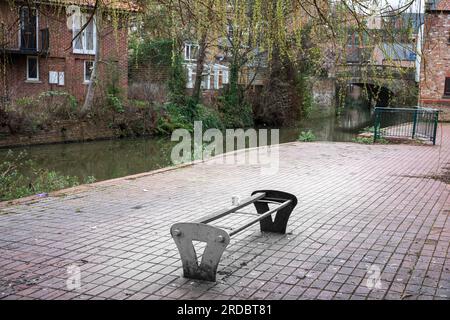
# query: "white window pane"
89,34
78,41
194,52
186,52
216,78
225,76
88,65
84,42
77,24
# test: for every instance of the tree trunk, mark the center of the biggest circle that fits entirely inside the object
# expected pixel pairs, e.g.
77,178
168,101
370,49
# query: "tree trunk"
200,62
90,94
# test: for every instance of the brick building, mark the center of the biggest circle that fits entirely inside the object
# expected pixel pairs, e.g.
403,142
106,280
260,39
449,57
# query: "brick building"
38,54
435,71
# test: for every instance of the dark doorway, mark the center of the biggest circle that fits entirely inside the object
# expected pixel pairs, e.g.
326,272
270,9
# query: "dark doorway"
28,22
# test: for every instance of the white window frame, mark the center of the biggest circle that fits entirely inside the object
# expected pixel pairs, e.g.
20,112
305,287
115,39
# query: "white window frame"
87,81
192,74
225,76
84,18
37,68
188,47
224,70
216,77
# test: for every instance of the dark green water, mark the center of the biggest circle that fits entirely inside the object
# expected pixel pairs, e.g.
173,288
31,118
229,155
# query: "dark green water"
110,159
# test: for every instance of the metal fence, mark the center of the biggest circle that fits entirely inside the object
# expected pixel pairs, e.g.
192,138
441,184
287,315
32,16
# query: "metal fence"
415,123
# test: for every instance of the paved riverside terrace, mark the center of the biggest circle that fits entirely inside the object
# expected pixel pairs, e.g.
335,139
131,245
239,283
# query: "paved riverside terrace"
363,210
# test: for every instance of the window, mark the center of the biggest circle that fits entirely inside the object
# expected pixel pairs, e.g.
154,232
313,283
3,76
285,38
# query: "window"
32,68
190,51
84,42
28,28
225,76
191,74
220,76
447,87
206,78
88,66
350,39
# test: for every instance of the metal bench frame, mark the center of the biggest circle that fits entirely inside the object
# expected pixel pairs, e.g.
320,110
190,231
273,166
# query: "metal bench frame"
218,239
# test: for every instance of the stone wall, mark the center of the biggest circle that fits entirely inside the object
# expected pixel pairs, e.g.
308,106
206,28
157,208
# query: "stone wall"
61,131
324,95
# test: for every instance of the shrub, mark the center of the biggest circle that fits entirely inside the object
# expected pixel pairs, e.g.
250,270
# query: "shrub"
304,91
235,115
306,136
173,116
170,118
209,117
29,114
115,103
368,129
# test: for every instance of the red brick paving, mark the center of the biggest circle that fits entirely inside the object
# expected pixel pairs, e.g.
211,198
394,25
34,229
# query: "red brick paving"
359,205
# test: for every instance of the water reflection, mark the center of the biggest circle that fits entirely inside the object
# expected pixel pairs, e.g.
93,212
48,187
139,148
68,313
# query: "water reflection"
342,128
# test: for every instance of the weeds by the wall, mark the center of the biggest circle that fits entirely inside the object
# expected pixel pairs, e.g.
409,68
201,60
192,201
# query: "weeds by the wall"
306,136
20,178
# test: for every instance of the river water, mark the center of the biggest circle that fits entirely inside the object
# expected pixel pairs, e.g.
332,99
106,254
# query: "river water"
110,159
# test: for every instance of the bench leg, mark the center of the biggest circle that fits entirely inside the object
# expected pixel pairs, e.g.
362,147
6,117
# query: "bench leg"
279,224
216,241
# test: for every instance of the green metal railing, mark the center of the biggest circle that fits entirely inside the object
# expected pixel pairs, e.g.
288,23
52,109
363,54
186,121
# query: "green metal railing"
415,123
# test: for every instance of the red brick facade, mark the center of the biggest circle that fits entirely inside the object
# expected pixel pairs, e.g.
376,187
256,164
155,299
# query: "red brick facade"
60,56
435,67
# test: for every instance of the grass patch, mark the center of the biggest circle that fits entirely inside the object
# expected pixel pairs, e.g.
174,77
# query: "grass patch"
369,140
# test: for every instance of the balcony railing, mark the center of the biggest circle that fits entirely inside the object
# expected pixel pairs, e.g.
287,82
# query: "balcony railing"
27,44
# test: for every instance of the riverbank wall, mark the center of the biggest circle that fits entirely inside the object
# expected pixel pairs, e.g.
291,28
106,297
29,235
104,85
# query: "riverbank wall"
63,131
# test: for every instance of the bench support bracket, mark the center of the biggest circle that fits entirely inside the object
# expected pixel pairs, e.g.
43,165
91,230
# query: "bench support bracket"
216,241
279,224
